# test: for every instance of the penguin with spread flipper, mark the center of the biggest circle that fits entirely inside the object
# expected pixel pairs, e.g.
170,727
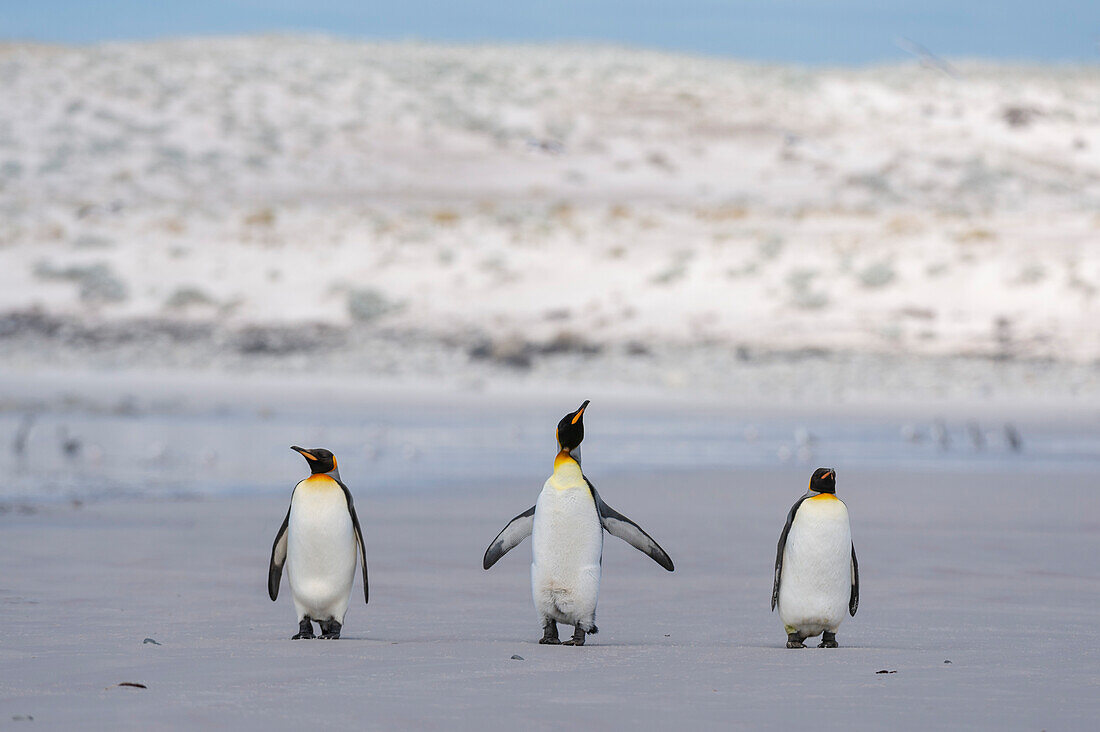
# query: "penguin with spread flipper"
566,527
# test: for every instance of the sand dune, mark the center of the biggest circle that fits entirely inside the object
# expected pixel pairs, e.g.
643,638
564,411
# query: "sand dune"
532,198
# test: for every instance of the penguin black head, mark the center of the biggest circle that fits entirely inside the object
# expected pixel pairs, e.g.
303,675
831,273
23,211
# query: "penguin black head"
320,460
571,429
823,481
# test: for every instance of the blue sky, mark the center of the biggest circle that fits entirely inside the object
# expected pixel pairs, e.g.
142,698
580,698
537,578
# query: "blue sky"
802,31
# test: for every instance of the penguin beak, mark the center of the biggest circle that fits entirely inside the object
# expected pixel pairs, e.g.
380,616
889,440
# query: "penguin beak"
580,413
827,475
304,453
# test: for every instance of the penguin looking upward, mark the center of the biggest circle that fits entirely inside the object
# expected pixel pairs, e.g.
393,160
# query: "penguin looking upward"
816,573
318,541
566,526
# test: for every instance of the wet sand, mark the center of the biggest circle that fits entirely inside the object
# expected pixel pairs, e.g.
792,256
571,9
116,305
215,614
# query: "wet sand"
992,571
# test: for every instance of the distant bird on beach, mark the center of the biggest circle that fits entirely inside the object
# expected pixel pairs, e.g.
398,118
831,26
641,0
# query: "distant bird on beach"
804,442
940,435
816,572
318,541
910,433
70,444
1012,437
22,435
566,527
803,437
977,437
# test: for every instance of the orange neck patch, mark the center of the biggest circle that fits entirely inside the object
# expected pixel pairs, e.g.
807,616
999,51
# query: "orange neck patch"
563,458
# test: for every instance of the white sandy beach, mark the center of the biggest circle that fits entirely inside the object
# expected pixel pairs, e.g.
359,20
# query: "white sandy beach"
991,571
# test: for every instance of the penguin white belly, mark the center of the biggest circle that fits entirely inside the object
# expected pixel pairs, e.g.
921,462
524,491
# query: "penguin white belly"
320,552
816,582
567,545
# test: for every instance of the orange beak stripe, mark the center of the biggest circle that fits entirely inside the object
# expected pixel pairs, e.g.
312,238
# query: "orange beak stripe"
578,415
304,454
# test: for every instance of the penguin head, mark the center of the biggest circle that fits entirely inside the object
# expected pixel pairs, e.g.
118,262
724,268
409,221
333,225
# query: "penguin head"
570,430
319,459
823,481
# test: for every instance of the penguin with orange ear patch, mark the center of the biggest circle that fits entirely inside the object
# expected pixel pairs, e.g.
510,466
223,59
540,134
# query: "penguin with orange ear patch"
319,542
816,573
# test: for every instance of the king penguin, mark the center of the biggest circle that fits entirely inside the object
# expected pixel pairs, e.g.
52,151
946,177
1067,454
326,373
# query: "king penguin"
566,527
318,541
816,573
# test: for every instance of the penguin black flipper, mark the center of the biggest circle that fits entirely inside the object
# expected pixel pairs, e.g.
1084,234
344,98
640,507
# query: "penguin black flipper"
618,525
359,539
278,557
853,601
509,537
782,546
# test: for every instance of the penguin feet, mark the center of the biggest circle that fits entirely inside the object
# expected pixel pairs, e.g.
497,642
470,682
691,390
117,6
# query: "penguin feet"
794,640
305,630
330,629
550,634
577,639
828,640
